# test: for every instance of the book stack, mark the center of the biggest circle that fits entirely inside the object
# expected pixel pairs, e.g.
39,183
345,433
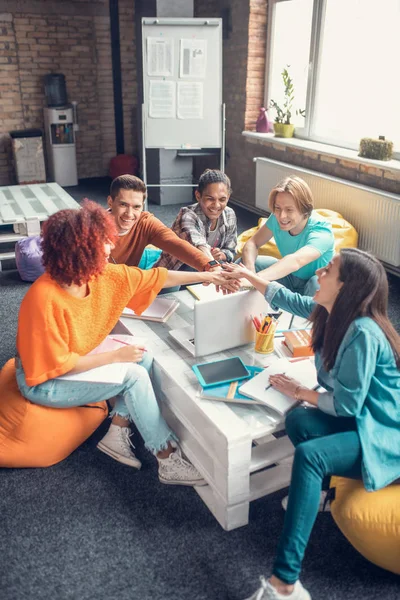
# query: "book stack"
299,342
159,310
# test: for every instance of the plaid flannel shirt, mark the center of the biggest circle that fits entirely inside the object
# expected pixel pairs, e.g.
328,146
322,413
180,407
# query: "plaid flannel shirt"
192,225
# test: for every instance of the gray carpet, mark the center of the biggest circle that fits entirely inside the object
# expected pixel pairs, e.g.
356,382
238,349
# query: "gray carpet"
90,528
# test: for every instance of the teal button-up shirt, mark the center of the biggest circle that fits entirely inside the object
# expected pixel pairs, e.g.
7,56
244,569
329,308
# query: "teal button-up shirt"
364,383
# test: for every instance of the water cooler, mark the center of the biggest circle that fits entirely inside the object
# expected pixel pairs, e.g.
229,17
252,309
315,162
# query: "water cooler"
60,130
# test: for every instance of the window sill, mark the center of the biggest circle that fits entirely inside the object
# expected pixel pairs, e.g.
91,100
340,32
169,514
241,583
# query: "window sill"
318,148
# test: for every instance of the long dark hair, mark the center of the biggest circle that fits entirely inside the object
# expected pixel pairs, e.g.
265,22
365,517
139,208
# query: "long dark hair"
364,293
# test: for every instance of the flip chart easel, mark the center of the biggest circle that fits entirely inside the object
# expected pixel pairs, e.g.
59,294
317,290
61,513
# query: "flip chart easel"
182,89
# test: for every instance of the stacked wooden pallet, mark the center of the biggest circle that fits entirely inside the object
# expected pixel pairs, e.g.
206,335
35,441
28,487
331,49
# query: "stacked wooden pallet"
24,207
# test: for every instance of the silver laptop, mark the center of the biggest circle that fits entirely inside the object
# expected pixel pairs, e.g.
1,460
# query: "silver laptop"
221,323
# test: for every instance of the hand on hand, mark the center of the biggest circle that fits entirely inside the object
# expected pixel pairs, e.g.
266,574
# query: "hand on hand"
236,270
217,254
219,279
284,384
129,354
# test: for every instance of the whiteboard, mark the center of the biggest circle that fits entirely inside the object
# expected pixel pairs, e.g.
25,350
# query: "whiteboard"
182,83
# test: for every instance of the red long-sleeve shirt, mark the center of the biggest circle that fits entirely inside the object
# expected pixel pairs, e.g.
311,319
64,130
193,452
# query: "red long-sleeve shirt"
150,230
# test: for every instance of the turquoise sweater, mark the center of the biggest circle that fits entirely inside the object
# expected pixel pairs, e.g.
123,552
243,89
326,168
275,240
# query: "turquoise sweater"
364,383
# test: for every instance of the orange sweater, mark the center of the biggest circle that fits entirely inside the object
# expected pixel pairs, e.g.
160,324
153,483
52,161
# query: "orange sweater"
55,328
150,230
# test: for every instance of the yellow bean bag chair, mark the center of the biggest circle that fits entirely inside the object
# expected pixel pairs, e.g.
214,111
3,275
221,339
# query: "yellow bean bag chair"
345,234
369,520
40,436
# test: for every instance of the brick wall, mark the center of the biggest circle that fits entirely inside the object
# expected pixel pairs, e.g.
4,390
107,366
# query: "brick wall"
243,93
129,73
104,89
72,38
11,115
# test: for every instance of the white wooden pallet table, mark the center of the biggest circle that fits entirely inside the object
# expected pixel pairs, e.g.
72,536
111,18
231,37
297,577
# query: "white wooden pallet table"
234,446
25,207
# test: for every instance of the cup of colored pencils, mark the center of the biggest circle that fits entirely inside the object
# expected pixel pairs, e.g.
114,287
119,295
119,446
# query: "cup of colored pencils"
265,331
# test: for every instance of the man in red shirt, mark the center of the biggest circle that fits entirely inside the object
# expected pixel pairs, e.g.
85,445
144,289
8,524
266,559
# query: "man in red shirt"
137,228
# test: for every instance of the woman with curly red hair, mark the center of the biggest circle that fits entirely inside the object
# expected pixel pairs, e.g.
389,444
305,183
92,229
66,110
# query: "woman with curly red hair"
69,311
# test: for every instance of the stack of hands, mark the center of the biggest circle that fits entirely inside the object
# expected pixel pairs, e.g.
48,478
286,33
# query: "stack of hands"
230,277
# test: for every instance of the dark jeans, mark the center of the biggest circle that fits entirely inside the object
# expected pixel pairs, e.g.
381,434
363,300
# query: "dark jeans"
325,446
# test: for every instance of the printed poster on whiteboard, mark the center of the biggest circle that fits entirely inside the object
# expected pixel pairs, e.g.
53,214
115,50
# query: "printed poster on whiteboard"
193,58
160,57
190,100
162,102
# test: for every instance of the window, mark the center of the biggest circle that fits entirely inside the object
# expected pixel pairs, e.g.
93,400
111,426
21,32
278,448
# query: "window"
342,56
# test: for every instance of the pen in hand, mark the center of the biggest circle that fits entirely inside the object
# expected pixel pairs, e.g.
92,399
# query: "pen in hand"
126,344
270,385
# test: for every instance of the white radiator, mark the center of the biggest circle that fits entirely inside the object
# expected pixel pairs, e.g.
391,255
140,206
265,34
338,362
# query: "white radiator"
375,214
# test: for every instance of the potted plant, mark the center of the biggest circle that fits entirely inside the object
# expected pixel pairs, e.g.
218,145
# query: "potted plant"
282,125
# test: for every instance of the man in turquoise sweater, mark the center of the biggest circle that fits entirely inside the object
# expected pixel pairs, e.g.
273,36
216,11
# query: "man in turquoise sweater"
304,239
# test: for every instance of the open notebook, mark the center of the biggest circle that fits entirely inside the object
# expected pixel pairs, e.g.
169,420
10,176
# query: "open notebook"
260,389
113,372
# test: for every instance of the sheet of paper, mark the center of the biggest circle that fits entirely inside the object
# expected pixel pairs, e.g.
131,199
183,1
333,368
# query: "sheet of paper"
114,372
190,100
114,341
162,101
193,58
204,292
160,57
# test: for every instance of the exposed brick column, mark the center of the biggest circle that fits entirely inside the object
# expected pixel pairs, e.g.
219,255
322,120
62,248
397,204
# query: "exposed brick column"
129,73
255,62
11,114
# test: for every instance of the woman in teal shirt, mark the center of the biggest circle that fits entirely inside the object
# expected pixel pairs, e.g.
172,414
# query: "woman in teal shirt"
303,238
355,430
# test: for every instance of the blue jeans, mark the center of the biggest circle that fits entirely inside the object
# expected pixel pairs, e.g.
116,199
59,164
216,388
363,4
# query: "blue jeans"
305,287
325,445
135,399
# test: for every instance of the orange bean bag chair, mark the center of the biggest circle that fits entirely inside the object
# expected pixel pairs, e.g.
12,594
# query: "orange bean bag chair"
40,436
345,234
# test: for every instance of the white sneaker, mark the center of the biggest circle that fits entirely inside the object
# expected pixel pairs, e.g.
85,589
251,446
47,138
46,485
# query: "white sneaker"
324,504
117,444
268,592
175,470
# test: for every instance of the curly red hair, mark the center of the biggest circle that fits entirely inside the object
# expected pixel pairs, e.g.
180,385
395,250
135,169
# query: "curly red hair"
73,243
